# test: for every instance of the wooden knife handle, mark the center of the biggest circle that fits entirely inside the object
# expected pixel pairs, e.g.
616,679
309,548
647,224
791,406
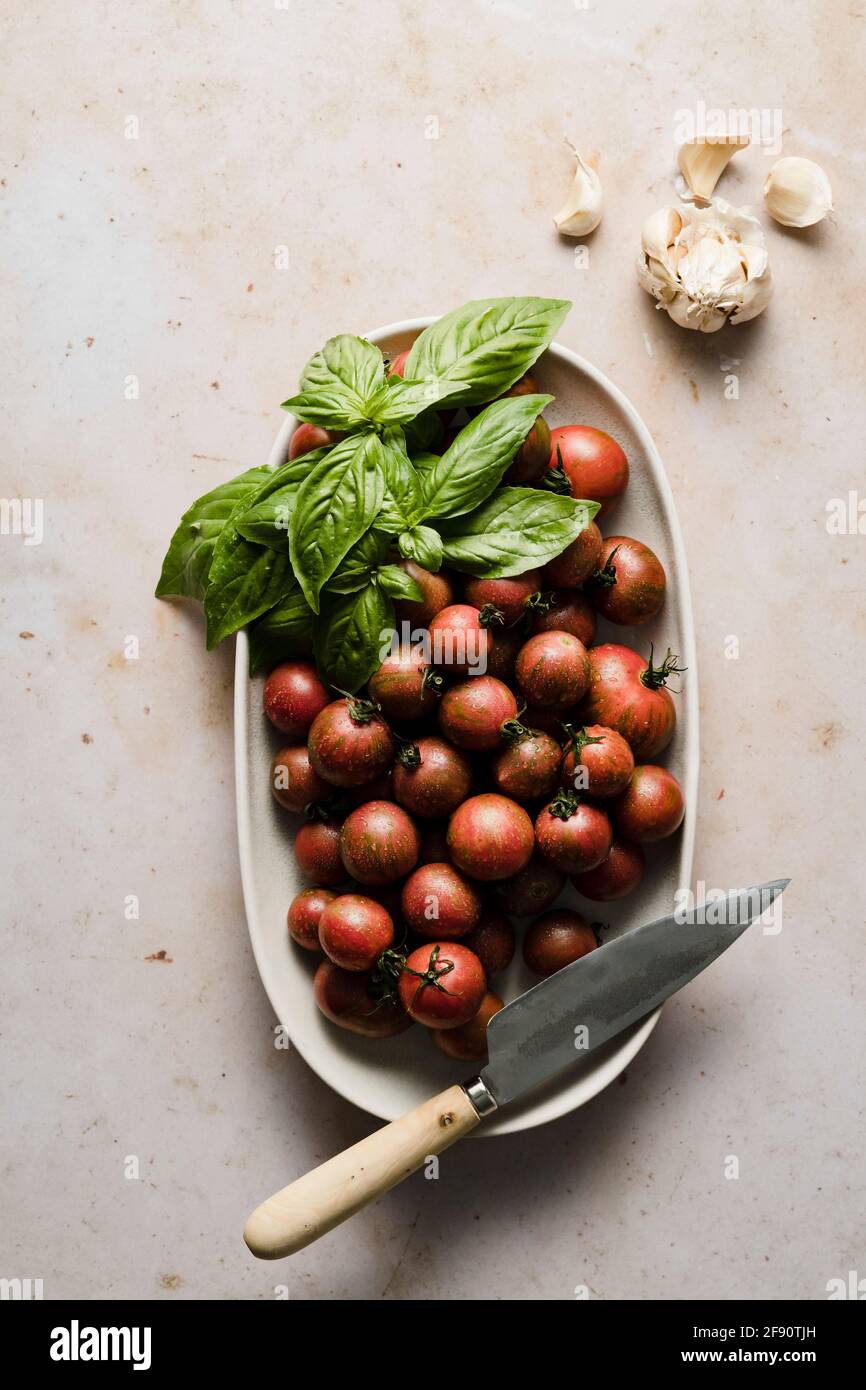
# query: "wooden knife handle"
316,1203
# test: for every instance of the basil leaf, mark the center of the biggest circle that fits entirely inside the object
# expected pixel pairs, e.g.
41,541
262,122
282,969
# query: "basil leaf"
516,529
188,558
398,584
360,563
400,402
335,505
245,580
285,631
424,432
338,383
423,545
266,520
353,633
403,503
478,351
470,470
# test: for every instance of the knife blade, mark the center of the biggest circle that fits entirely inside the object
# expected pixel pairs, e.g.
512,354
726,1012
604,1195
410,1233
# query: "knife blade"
529,1041
579,1008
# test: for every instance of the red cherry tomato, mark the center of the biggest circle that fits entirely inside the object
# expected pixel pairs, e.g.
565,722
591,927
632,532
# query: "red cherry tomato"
294,781
468,1042
438,593
577,563
571,611
629,585
346,997
492,940
405,685
459,642
490,837
533,890
379,843
628,694
472,714
593,462
502,601
442,985
439,903
354,931
599,762
436,784
304,914
556,940
528,766
616,876
309,437
317,850
293,697
349,743
552,670
651,807
573,834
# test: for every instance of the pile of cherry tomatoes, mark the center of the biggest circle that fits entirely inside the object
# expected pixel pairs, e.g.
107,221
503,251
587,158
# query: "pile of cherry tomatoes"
458,794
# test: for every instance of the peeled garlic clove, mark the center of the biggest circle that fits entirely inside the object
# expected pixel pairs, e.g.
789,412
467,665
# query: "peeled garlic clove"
702,161
581,212
797,192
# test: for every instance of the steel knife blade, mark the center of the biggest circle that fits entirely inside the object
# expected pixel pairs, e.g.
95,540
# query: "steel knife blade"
576,1010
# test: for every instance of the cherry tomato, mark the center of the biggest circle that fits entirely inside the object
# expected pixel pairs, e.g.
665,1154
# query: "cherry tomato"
502,601
573,834
309,437
577,563
354,931
599,762
528,766
405,685
439,903
459,643
490,837
629,585
571,611
293,697
304,915
532,459
349,743
472,714
438,591
435,785
651,807
594,464
379,843
627,693
492,940
553,670
442,985
294,781
557,939
616,876
533,890
468,1042
317,850
347,999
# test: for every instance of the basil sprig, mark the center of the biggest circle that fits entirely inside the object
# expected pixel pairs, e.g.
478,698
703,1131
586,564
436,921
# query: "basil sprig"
304,554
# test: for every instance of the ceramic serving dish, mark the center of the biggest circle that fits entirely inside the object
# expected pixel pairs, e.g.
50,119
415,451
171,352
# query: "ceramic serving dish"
387,1077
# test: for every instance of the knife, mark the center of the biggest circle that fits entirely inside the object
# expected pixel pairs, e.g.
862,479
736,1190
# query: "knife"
531,1040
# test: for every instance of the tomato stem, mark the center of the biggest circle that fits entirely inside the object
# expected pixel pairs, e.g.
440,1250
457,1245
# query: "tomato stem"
491,616
360,711
606,577
556,479
655,676
432,680
564,805
579,738
430,976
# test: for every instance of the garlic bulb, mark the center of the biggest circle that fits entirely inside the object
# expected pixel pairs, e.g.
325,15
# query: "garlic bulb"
581,212
703,161
705,265
797,192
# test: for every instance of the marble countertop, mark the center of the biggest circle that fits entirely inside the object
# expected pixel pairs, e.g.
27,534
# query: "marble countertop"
155,160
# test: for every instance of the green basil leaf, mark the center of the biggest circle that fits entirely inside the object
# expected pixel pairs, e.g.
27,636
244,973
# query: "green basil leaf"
517,529
470,470
400,402
423,545
335,505
338,383
266,519
284,632
398,584
360,563
479,351
188,558
245,580
424,432
352,634
403,502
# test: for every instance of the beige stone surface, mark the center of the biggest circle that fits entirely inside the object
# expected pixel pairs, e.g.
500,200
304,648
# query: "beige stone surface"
305,126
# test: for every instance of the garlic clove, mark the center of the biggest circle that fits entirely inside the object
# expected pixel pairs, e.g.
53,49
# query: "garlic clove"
580,214
702,161
797,192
